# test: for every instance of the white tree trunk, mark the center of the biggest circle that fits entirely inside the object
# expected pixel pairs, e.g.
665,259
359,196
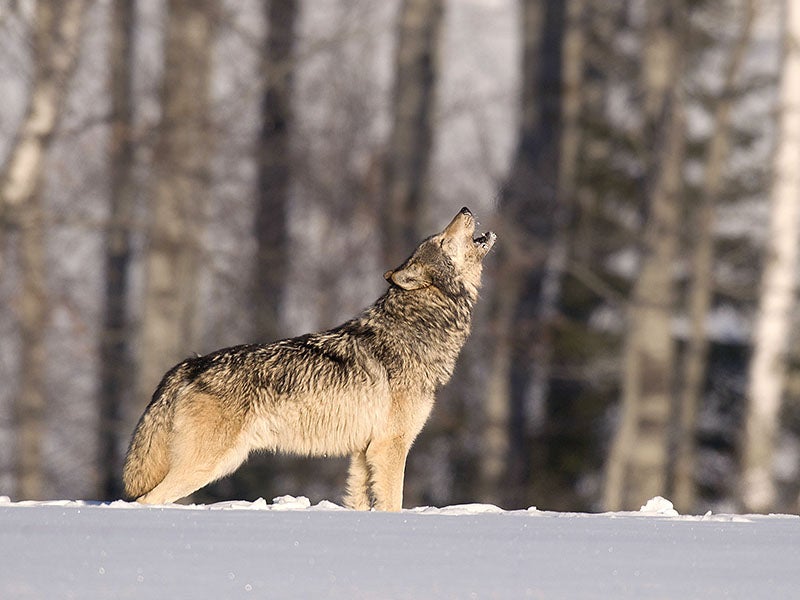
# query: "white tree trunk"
56,41
699,298
638,459
410,144
273,153
57,35
115,344
770,338
169,328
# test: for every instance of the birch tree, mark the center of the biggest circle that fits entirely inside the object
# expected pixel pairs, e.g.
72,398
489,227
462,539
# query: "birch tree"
529,203
274,168
274,162
56,43
409,149
181,167
778,287
695,358
115,351
638,460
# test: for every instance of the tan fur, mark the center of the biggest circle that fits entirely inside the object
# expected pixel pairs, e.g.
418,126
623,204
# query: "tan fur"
364,388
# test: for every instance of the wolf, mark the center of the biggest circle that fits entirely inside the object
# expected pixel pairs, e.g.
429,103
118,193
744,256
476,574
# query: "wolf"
364,388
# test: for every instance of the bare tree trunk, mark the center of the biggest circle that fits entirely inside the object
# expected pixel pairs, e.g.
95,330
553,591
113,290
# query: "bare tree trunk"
30,405
115,351
573,64
57,34
410,143
778,288
496,441
595,147
695,359
529,206
271,269
638,461
274,175
181,194
571,79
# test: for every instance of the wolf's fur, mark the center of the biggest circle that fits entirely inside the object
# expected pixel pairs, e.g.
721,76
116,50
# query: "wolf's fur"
364,388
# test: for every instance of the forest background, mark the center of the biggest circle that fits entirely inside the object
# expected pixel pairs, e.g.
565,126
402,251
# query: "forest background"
183,175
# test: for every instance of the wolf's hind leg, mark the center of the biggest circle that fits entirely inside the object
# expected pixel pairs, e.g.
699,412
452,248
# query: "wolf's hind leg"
386,460
205,444
183,477
358,480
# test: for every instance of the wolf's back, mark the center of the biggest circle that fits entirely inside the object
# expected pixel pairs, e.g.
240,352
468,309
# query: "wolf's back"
147,462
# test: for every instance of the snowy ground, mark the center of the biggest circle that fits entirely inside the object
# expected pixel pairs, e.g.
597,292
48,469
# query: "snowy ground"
289,549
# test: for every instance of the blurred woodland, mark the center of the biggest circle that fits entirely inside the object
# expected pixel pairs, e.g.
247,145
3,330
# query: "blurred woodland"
177,176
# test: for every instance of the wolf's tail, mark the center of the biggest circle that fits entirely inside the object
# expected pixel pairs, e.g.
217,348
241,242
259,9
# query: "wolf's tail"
147,460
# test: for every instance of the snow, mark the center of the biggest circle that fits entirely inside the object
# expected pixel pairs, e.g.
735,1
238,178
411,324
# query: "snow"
292,549
659,506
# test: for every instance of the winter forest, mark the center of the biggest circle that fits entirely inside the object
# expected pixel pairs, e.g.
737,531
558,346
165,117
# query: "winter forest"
177,176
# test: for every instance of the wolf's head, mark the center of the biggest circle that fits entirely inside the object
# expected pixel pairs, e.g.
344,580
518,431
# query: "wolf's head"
450,260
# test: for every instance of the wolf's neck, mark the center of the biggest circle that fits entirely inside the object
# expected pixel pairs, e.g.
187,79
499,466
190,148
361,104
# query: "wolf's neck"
428,310
423,330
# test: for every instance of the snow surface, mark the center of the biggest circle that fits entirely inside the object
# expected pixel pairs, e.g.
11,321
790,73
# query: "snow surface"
291,549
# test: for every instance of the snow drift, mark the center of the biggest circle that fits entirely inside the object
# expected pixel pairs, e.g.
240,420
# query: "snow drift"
291,549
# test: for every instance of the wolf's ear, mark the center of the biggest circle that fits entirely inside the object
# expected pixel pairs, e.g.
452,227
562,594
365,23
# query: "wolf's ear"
409,277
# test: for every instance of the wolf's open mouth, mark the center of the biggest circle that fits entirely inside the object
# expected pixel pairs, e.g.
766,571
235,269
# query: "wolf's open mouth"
486,240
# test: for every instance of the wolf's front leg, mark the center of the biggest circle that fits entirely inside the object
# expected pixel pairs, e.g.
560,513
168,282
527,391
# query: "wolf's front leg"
358,482
386,460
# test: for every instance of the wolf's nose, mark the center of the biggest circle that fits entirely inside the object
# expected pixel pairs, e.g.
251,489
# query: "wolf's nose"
465,211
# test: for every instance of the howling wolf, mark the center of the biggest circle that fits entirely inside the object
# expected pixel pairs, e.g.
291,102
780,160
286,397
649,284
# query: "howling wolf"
364,388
